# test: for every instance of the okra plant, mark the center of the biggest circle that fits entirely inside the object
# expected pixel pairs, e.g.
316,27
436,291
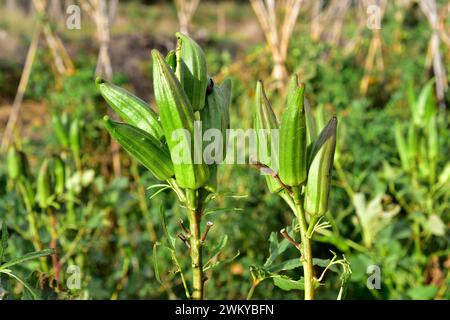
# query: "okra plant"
7,266
423,170
45,191
298,169
50,196
166,142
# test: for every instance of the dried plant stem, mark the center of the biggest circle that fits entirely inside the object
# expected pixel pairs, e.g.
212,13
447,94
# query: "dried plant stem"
103,16
327,24
434,57
375,54
277,30
61,59
185,12
54,242
17,104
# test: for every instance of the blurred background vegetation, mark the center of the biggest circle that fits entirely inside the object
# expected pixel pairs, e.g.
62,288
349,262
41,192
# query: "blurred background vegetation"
390,198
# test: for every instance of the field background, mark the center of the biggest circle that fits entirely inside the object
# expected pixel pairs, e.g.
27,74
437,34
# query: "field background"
380,213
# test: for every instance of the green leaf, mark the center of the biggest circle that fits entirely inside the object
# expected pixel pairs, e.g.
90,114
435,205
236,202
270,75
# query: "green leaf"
422,292
218,249
33,293
336,241
170,240
435,225
215,264
276,248
27,257
424,106
259,273
288,284
217,211
285,265
323,263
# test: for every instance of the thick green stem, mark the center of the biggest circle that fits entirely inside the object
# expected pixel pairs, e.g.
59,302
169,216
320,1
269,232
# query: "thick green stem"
306,258
54,242
31,217
252,289
195,213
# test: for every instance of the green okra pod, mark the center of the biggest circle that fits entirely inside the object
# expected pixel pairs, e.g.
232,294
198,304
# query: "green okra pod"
265,125
145,148
293,137
177,120
60,130
191,70
75,137
319,173
43,187
14,163
59,173
130,108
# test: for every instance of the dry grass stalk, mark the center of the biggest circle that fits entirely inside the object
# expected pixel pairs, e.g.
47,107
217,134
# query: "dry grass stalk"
375,53
221,19
61,59
277,20
327,23
15,110
443,28
434,57
63,62
55,10
185,12
401,7
103,14
354,43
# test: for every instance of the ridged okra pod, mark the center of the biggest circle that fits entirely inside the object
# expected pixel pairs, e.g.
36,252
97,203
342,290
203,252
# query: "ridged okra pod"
293,136
265,125
145,148
177,119
130,108
191,70
319,174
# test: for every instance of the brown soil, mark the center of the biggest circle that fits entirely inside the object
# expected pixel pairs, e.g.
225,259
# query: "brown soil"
33,116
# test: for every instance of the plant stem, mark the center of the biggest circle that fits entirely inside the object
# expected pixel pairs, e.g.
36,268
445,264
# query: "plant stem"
252,290
195,213
53,242
306,258
31,217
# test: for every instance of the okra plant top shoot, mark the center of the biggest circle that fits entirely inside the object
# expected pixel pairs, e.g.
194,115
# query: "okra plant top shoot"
305,163
183,93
